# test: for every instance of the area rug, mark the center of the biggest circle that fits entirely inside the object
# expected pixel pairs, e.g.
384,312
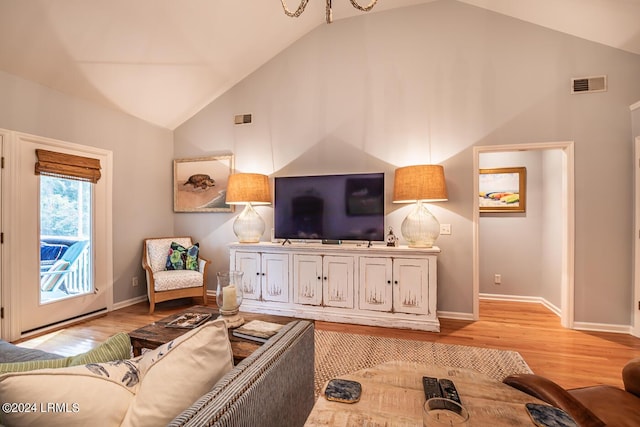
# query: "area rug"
338,353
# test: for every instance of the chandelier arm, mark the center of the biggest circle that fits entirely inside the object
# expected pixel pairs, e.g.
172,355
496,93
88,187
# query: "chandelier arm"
367,8
299,10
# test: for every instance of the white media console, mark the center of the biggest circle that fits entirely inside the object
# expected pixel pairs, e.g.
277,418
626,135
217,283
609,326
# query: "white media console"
347,283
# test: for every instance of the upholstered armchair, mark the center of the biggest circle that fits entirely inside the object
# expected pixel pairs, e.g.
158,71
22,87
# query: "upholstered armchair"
174,270
593,406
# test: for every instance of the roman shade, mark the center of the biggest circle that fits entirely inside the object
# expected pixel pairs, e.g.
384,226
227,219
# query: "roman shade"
69,166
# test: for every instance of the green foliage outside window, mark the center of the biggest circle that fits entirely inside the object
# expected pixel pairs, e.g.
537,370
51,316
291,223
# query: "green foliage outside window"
65,207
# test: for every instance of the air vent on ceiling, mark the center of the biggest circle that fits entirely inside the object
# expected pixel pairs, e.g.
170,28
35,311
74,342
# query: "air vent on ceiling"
589,84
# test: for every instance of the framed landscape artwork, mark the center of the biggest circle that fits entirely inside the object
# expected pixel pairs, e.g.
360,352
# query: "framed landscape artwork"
200,184
503,190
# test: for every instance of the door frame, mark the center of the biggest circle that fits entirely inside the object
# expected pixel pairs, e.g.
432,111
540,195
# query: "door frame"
12,220
3,202
635,301
568,222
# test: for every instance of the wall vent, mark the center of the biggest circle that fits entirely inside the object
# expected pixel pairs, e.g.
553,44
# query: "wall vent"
589,84
242,119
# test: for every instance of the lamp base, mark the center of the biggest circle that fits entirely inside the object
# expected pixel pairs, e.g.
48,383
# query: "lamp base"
420,228
248,226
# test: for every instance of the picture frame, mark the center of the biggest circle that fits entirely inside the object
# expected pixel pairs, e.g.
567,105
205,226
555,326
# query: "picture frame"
200,184
503,189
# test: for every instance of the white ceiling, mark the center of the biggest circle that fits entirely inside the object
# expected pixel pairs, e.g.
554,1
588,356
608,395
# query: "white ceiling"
162,61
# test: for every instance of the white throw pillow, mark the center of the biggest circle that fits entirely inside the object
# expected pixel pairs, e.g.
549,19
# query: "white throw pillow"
149,390
176,374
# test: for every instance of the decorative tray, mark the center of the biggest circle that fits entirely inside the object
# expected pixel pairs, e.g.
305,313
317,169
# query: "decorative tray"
189,320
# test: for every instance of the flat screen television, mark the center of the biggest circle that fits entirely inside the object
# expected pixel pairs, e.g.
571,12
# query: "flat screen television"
330,207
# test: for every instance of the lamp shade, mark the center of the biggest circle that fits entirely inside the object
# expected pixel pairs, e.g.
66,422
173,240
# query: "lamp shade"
419,183
245,188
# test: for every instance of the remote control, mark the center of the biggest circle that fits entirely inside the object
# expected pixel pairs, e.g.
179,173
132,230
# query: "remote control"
449,390
431,387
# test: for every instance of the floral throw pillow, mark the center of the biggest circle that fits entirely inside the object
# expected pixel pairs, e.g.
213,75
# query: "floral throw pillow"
181,258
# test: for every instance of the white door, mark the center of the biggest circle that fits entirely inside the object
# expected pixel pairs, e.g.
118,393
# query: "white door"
84,285
2,282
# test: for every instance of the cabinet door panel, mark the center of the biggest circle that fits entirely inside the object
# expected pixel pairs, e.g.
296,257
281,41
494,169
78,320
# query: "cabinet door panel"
375,284
249,263
337,272
275,277
307,279
411,285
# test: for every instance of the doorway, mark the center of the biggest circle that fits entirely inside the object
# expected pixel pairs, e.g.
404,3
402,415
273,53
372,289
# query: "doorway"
566,229
82,286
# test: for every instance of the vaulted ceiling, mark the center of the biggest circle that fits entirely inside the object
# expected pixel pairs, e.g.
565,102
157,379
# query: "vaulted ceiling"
164,60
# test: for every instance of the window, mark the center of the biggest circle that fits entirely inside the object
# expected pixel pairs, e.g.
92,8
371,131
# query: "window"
65,238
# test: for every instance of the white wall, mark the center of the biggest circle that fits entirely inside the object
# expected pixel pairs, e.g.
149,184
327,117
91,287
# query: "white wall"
142,165
425,84
552,196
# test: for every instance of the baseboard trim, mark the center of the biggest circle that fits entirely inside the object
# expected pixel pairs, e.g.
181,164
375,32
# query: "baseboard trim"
455,315
579,326
517,298
143,298
127,303
603,327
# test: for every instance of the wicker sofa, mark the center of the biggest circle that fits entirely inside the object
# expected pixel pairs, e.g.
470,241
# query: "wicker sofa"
273,386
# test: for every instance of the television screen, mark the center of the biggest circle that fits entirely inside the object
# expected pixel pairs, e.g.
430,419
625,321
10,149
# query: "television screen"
331,207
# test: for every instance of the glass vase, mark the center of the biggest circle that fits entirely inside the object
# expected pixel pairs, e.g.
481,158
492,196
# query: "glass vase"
229,297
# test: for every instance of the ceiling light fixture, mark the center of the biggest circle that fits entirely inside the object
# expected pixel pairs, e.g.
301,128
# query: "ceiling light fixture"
329,14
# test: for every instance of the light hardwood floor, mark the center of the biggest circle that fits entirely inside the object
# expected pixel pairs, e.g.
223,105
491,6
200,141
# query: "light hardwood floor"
571,358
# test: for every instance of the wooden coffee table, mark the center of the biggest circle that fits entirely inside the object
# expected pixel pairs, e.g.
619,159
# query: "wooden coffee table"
392,395
157,333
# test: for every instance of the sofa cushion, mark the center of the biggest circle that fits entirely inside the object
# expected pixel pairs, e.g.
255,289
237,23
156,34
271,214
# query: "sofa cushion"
51,252
79,394
14,353
117,347
176,374
176,279
149,390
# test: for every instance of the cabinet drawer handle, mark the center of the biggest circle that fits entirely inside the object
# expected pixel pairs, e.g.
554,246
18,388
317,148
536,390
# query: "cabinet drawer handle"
319,278
388,282
395,282
325,277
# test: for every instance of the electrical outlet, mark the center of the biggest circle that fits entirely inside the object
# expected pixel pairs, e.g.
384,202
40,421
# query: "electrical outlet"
497,279
134,282
445,228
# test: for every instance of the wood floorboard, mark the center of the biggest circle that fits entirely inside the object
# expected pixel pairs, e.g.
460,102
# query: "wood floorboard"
569,357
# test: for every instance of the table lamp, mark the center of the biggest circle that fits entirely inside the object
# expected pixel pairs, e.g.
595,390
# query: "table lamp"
248,189
420,184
